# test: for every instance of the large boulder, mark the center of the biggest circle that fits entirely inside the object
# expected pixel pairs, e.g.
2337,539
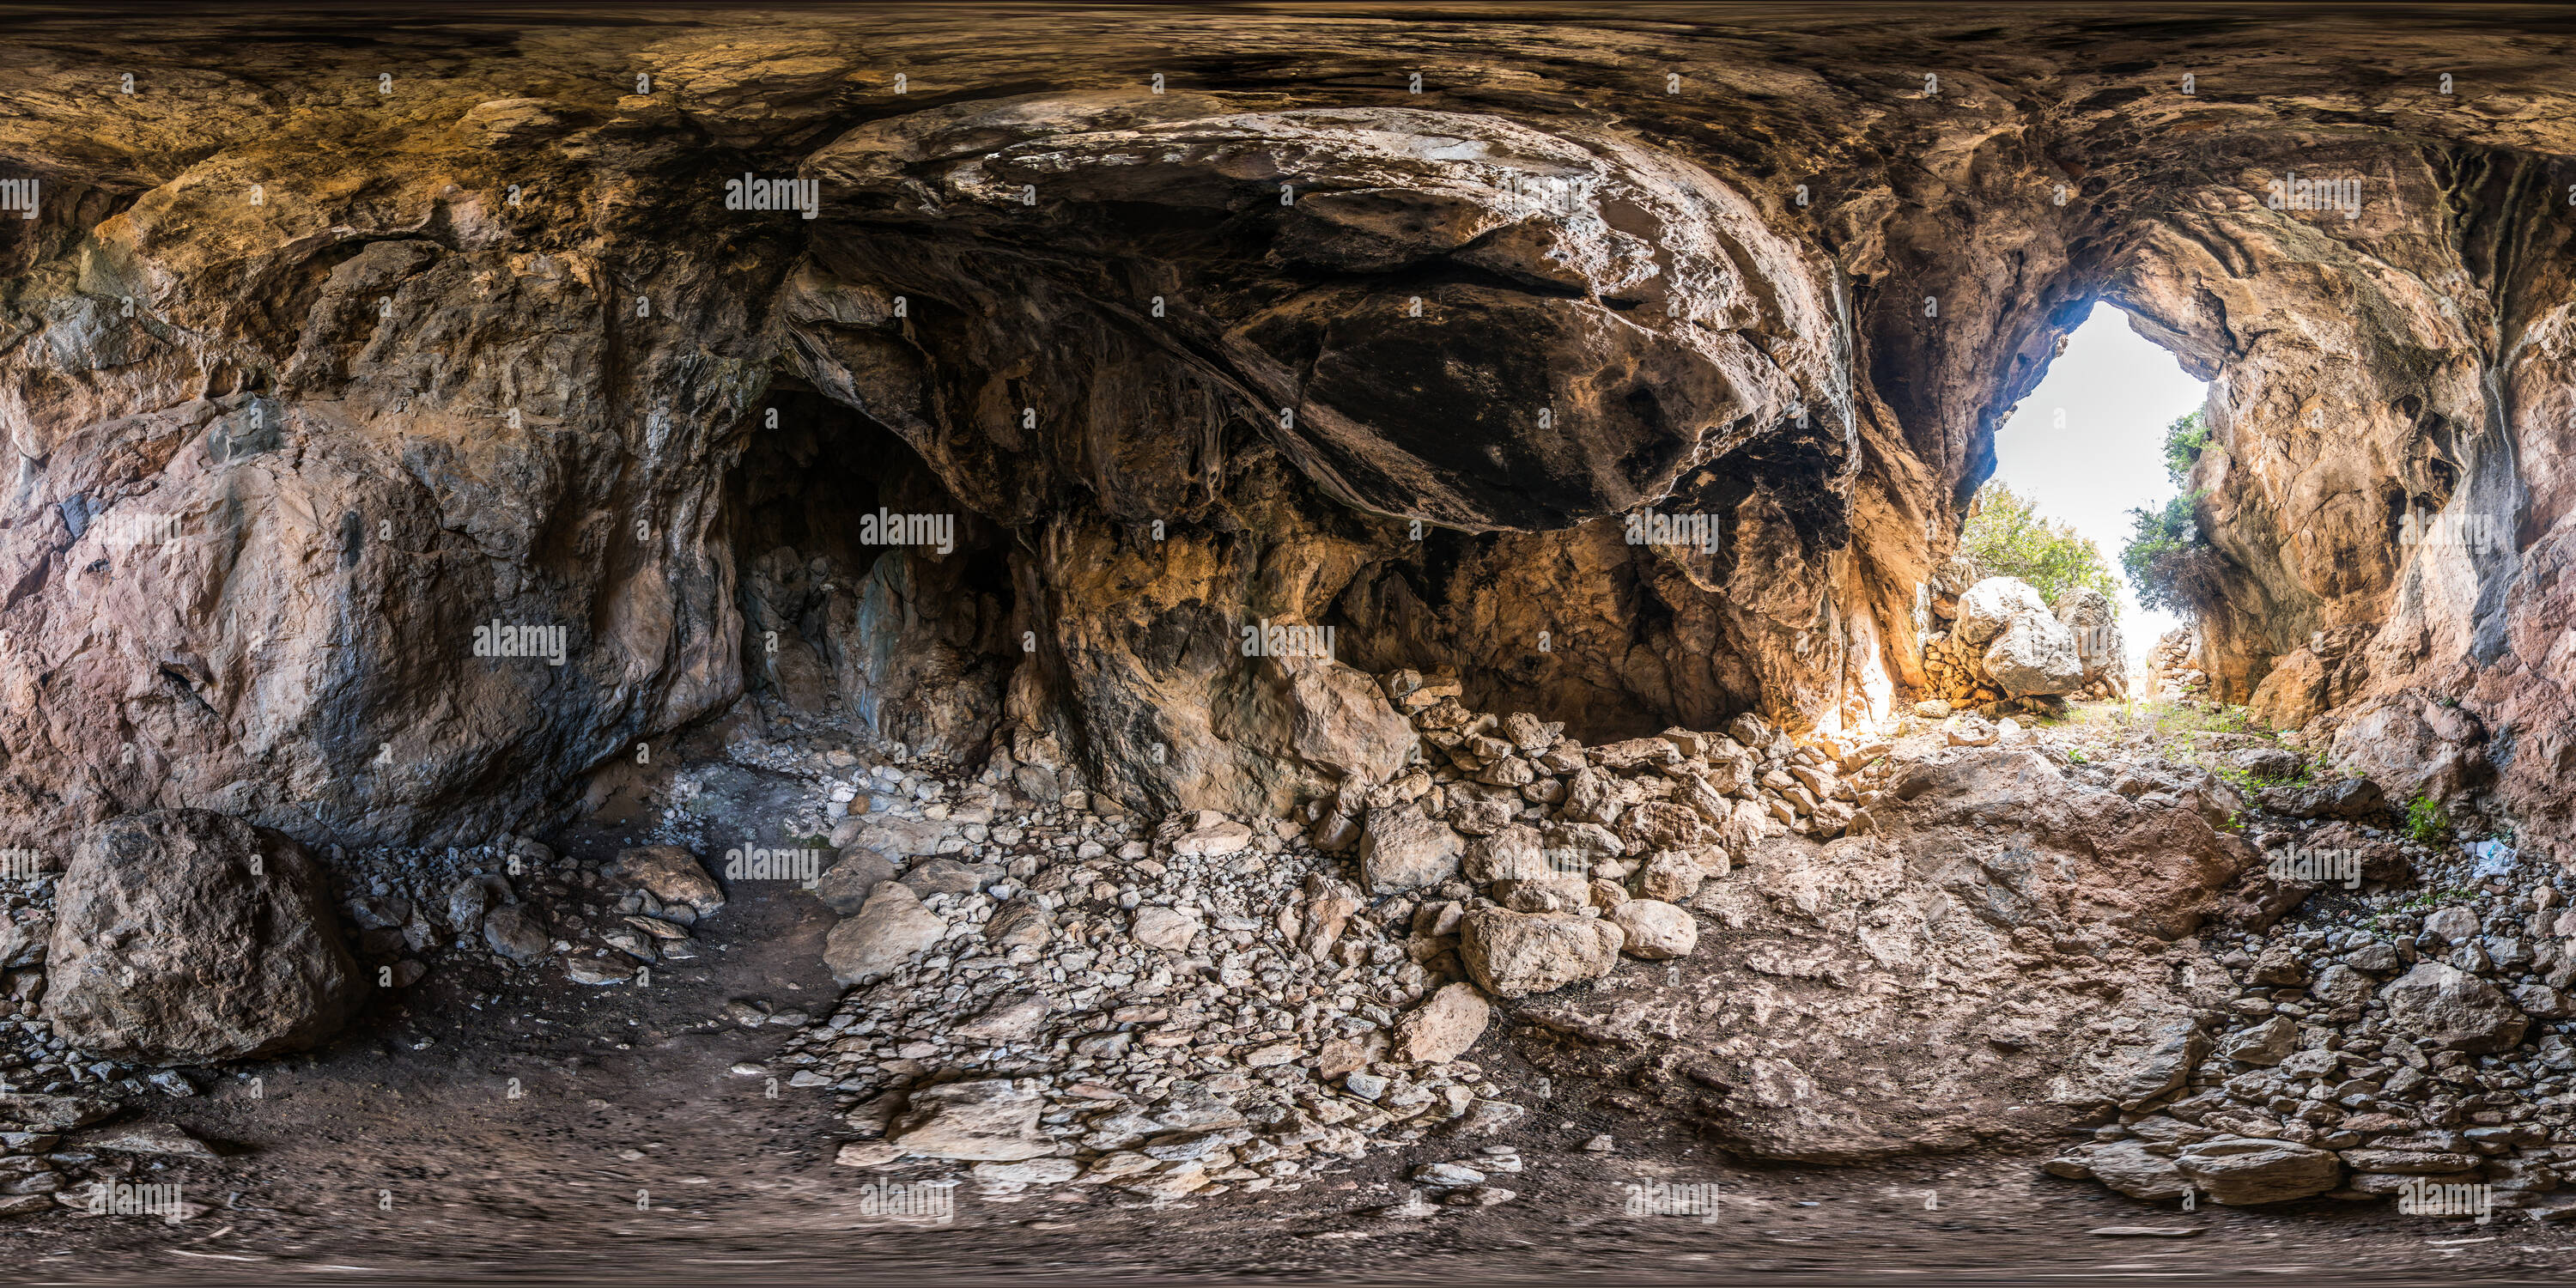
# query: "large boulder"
1300,727
845,886
671,873
1653,929
1444,1026
2341,798
2242,1170
1987,608
987,1120
184,936
1401,849
2090,618
1516,853
2454,1008
2413,747
1515,954
2034,654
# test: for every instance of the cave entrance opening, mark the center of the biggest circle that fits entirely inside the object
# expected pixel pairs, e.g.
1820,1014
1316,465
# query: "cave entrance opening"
870,596
2088,446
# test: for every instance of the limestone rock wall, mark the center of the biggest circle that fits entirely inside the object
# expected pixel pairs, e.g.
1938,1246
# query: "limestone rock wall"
308,374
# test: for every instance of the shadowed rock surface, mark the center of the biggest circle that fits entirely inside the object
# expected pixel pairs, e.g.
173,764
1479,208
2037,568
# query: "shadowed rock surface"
1178,364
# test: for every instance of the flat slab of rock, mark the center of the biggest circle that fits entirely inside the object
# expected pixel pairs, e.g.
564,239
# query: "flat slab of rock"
149,1138
2346,798
596,970
38,1111
1443,1027
2244,1170
1514,954
187,937
948,876
901,838
987,1120
889,928
1216,841
672,874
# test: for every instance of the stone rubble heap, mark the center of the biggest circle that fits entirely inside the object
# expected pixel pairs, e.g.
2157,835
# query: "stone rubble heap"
55,1149
2420,1031
2173,666
518,903
1056,996
2002,643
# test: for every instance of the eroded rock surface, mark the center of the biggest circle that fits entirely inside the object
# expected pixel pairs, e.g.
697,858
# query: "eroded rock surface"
1155,370
186,937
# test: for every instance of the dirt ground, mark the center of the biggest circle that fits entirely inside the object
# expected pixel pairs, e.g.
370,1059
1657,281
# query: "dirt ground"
402,1154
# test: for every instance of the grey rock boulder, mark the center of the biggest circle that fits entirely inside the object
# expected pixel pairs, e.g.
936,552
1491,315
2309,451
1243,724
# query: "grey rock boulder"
514,933
187,937
987,1120
2243,1170
2454,1008
2267,1043
2340,986
1991,605
1444,1026
671,873
2343,798
845,886
2090,619
2034,654
1400,849
2127,1166
887,930
1513,954
2178,1048
1654,929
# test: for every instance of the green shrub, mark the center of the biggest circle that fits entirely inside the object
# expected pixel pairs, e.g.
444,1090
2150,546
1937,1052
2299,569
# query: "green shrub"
2427,823
2005,536
2170,564
2184,441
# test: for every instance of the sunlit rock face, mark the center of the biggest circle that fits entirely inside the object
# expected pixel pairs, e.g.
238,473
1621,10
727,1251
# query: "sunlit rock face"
309,375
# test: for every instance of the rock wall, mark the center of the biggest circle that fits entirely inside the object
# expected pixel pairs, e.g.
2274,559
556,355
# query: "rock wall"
1380,328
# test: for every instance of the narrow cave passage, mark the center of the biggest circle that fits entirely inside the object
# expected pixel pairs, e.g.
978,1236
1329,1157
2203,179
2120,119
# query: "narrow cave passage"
866,589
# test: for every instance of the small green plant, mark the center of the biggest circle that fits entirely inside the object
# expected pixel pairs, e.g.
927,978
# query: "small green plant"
2172,720
2427,823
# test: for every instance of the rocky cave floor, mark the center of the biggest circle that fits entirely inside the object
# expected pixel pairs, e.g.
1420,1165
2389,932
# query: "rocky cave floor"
402,1150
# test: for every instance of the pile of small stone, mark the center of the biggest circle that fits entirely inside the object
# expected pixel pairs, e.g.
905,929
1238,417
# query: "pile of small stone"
55,1149
1057,996
519,904
1167,1018
2173,666
2407,1034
